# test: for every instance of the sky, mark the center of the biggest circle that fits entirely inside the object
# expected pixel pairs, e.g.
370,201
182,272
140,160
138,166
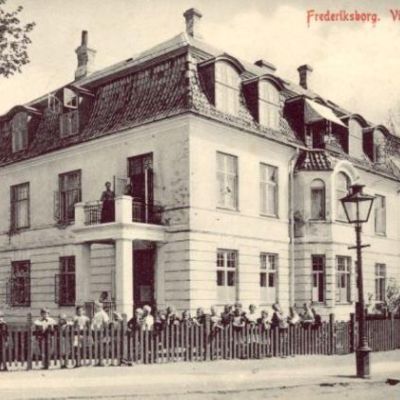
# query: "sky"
355,64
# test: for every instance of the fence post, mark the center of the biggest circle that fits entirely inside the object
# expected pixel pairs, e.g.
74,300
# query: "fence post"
29,335
353,333
207,337
332,344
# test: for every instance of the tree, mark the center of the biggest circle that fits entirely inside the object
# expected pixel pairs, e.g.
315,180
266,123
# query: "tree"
393,296
14,41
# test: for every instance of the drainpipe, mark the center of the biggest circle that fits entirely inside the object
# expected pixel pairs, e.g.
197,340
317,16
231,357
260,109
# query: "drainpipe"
292,163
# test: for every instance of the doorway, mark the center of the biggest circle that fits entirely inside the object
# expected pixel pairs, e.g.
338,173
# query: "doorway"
143,278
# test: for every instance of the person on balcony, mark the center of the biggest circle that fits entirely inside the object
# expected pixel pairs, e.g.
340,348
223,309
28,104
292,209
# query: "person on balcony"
108,205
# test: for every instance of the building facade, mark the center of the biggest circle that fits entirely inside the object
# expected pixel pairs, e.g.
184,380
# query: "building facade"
226,180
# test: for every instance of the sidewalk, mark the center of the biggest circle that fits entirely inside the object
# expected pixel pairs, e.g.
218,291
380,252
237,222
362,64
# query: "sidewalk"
201,377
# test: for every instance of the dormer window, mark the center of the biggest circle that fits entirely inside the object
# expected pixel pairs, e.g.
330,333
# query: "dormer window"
268,105
19,131
69,119
70,99
226,88
355,139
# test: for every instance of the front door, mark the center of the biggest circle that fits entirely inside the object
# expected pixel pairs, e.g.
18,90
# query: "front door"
143,278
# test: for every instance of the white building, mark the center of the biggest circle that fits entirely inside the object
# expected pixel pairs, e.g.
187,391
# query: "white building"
226,177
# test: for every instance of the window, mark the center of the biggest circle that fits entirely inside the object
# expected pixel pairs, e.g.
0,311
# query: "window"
20,206
343,283
269,105
19,129
268,190
342,186
20,284
65,282
227,179
318,199
318,278
380,214
69,193
268,277
226,88
226,275
380,282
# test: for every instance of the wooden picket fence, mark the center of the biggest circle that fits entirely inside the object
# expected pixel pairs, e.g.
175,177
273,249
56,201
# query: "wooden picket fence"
67,347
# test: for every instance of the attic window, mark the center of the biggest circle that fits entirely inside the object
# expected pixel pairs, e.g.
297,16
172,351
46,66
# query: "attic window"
19,131
226,88
69,119
268,105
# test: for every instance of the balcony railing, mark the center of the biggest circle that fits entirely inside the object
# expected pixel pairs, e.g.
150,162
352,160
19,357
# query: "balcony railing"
141,212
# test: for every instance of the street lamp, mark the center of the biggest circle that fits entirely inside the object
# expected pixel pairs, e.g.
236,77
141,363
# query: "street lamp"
357,207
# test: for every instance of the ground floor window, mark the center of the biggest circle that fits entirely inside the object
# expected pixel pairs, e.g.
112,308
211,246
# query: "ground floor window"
65,282
268,277
343,284
19,285
226,275
318,278
380,282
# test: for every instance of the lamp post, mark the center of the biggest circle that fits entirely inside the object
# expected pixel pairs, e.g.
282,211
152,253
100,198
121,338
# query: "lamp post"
357,207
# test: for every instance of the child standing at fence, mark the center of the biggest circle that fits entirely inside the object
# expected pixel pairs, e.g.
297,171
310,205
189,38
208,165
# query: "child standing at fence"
148,320
44,326
100,318
81,325
3,342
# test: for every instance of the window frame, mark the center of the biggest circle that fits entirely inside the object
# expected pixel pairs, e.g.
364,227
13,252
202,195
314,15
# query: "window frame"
380,280
269,267
19,137
346,274
321,189
264,185
226,272
226,180
224,89
319,277
268,110
64,202
67,273
26,278
14,206
381,210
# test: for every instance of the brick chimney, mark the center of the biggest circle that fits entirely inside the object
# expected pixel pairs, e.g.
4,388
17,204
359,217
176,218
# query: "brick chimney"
304,75
192,18
265,65
85,57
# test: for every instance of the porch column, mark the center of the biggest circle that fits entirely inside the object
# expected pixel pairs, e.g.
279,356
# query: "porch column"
82,273
124,276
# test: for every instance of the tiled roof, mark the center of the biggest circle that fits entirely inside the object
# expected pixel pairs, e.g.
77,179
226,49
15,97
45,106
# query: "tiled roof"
158,83
314,160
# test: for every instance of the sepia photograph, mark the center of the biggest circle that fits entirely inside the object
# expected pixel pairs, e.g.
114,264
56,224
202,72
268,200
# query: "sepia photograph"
202,199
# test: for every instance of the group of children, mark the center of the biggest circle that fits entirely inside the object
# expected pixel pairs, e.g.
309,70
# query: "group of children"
231,314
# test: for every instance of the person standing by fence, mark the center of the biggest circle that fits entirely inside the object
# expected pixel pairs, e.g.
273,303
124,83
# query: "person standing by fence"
3,342
44,327
81,327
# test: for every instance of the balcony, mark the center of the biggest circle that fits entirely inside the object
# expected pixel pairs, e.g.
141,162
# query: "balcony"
129,218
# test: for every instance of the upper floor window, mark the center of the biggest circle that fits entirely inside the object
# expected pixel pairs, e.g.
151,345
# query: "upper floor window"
68,195
226,88
226,275
227,179
19,288
19,129
269,105
342,187
380,282
19,206
268,277
318,199
380,214
343,284
318,278
65,282
268,190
